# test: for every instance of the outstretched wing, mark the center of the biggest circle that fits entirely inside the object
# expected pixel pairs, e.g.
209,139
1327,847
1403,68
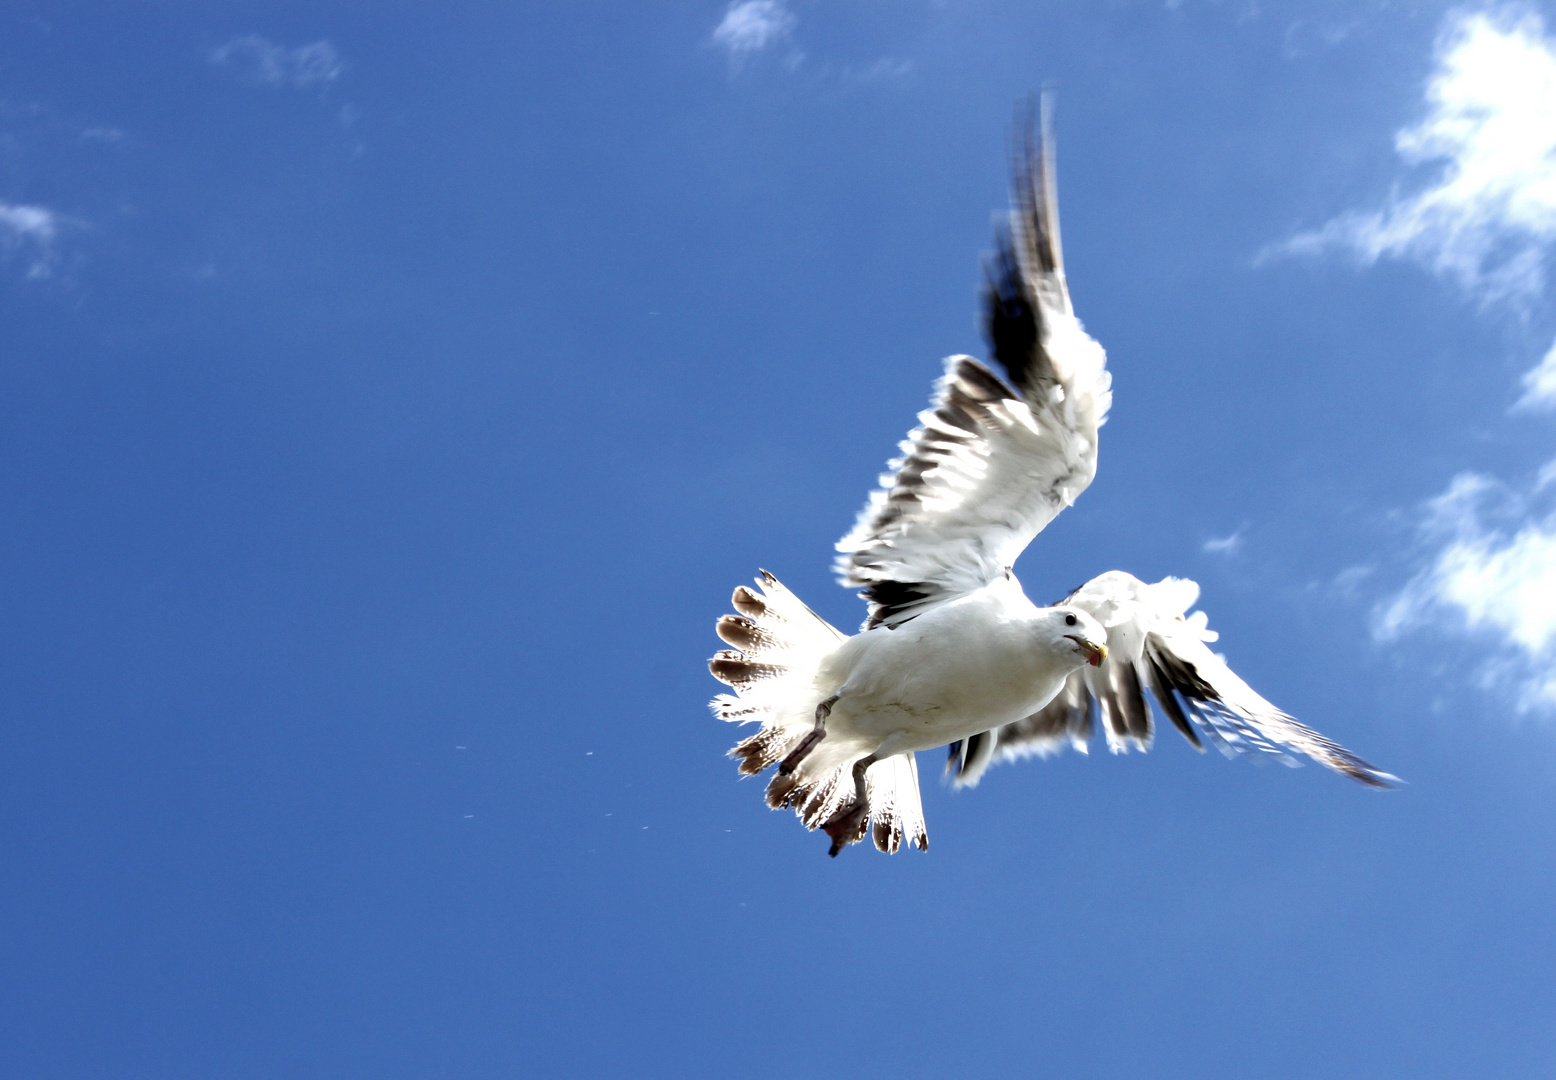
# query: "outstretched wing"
990,464
1153,647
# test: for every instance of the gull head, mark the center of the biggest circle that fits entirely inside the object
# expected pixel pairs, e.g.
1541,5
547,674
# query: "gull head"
1075,633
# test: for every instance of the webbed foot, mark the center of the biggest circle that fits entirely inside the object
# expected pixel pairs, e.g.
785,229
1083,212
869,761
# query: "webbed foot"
850,823
847,826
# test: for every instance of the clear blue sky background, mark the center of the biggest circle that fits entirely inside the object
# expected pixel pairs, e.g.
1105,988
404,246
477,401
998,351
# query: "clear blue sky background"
390,398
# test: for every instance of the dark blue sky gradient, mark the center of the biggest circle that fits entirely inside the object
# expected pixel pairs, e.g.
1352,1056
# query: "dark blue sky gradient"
376,454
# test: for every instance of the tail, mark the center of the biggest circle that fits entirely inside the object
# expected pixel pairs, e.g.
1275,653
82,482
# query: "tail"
894,804
776,667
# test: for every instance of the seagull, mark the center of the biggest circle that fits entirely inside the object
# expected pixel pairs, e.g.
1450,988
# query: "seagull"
952,652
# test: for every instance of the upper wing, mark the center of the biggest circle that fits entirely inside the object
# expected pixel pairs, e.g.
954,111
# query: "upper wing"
990,466
1152,646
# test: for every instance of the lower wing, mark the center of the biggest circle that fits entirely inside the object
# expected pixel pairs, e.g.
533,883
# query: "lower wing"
1153,647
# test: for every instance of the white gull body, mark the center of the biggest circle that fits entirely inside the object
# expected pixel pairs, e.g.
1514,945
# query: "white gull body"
952,652
980,661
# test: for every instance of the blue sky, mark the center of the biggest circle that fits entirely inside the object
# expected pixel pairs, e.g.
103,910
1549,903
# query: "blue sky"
390,399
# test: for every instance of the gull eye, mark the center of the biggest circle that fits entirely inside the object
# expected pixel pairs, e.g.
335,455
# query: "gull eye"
1069,620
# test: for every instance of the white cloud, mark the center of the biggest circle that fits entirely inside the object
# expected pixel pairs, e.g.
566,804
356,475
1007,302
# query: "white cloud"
261,61
1486,219
1499,580
749,26
886,69
1489,215
1348,582
1540,385
27,223
109,136
34,230
1225,545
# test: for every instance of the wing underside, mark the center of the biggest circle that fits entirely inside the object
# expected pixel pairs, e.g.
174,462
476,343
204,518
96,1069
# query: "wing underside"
991,463
1156,657
978,479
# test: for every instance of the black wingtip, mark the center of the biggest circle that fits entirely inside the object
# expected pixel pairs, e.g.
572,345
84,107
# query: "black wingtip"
1026,249
1010,318
1372,777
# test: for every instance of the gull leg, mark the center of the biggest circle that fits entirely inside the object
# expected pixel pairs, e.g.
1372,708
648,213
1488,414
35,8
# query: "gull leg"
847,825
792,760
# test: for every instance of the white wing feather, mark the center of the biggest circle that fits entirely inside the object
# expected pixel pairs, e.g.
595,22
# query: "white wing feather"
991,463
1156,648
981,476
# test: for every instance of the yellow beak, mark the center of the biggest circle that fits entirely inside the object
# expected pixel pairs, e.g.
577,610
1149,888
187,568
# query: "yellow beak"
1095,653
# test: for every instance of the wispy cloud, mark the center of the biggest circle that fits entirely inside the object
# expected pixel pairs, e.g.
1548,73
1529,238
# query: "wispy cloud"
1488,217
1484,218
20,223
260,61
33,230
886,69
1539,385
1494,573
108,136
749,26
1224,545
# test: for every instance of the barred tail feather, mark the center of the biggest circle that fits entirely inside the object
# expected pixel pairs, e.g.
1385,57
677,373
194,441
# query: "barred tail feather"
775,667
823,784
818,792
896,814
778,645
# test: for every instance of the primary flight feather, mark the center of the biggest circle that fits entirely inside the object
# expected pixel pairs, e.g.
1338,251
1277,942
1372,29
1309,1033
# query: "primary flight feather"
952,651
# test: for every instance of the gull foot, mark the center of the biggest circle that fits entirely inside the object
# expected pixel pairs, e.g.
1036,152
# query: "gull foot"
792,759
847,826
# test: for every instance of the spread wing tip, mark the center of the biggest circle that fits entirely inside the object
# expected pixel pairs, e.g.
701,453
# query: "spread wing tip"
1362,772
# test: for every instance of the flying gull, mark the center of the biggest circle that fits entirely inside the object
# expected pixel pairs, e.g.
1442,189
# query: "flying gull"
952,651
